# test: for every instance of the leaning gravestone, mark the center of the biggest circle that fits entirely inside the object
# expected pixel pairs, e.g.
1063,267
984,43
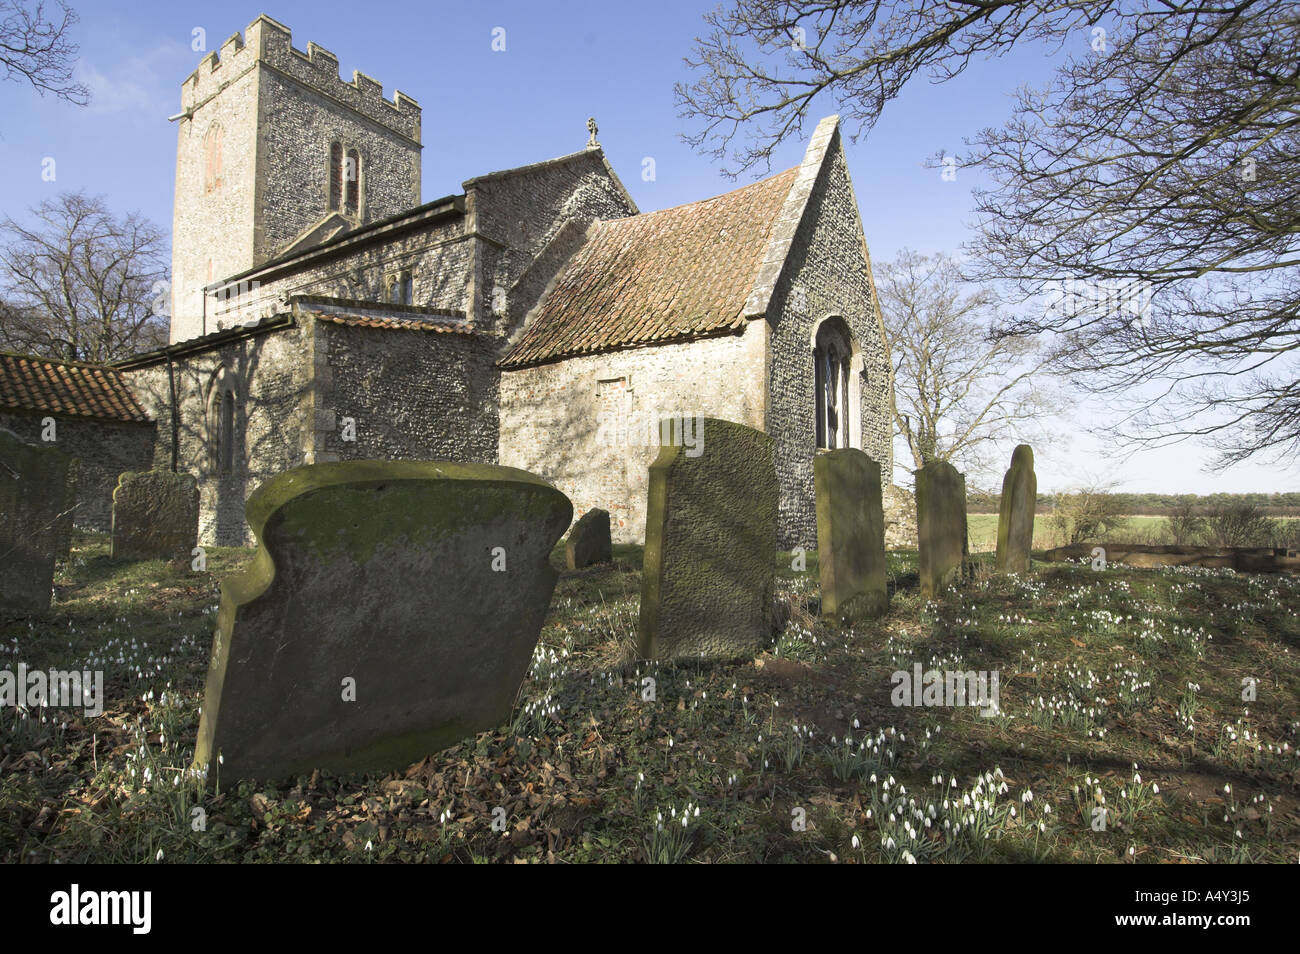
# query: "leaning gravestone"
390,611
710,545
1016,513
850,535
36,504
940,526
589,541
155,515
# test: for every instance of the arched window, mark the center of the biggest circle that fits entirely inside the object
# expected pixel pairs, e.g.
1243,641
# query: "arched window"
223,435
226,438
336,176
832,362
212,159
352,181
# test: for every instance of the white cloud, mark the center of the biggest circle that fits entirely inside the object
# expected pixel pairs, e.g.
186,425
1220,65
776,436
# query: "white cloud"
144,84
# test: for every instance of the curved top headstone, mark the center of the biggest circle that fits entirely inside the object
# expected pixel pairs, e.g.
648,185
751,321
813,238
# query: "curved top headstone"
391,610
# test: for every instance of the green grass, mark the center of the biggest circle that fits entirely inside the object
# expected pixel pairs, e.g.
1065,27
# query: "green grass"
983,531
1099,671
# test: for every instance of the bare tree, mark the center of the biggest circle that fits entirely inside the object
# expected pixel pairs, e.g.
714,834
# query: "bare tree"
1151,191
1086,514
958,393
80,284
1186,526
37,50
1240,525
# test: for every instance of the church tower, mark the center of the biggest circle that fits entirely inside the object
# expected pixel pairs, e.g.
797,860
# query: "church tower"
275,153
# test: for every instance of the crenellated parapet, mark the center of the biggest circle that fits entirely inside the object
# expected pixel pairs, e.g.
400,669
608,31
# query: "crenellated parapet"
271,44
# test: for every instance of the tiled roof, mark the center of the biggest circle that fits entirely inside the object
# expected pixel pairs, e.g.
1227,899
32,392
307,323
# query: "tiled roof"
682,273
80,390
394,324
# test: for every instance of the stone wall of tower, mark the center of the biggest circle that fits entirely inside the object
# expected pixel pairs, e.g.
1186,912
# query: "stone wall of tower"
303,107
276,110
213,211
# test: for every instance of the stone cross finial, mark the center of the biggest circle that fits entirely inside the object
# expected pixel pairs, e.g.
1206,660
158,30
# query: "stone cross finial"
591,128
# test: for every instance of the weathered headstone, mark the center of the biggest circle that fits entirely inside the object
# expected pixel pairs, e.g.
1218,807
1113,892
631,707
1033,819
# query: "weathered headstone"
850,535
1016,513
940,526
36,504
710,546
589,541
155,515
391,610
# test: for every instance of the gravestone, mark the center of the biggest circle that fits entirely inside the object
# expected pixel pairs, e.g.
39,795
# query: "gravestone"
589,541
155,515
940,526
710,547
1016,513
36,504
391,610
850,535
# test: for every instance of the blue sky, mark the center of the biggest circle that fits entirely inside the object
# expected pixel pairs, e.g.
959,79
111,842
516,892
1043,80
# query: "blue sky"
486,110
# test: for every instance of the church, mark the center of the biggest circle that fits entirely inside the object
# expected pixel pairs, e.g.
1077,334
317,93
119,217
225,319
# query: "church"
321,310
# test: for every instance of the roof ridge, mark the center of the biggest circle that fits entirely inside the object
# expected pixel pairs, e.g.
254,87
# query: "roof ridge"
528,166
713,198
791,217
99,365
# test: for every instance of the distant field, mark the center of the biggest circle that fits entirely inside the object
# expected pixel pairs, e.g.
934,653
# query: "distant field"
983,530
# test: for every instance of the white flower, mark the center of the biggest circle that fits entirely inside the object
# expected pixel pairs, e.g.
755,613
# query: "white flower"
159,856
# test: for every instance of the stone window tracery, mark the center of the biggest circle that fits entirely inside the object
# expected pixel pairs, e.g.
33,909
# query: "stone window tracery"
832,363
222,425
336,176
